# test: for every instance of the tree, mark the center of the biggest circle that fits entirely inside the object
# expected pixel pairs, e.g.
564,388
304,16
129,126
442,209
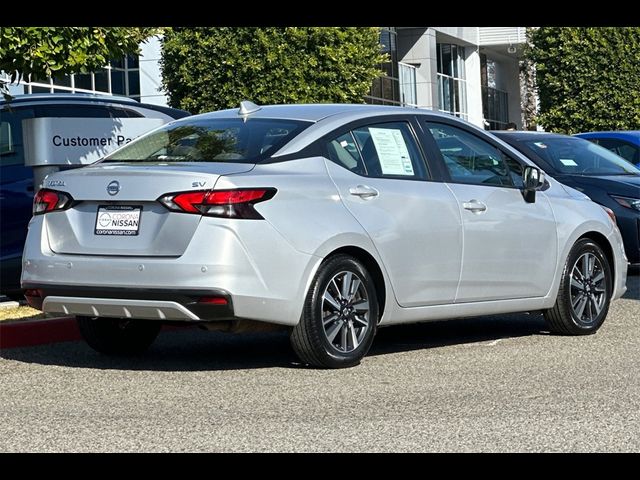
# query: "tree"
588,78
528,94
207,69
45,51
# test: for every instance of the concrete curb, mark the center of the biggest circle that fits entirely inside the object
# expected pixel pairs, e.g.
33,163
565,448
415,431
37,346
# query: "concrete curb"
26,333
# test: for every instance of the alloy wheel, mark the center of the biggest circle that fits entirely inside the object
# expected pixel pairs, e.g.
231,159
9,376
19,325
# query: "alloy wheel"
345,311
588,288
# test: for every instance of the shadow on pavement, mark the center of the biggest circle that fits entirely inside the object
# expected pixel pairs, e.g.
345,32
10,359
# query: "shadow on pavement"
192,349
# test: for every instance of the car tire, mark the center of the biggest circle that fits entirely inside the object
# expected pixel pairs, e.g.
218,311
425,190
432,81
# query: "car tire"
581,307
340,315
113,336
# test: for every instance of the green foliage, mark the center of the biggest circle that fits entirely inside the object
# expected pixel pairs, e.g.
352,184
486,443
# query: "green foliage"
207,69
44,51
588,78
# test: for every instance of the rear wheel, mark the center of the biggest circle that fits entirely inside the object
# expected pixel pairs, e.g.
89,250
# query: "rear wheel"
585,291
118,336
340,315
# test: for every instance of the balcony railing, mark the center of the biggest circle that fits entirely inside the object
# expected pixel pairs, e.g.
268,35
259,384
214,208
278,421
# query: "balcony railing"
495,108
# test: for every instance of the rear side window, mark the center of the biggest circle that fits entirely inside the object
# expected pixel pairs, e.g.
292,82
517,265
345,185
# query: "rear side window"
624,149
11,147
379,150
217,140
344,151
7,144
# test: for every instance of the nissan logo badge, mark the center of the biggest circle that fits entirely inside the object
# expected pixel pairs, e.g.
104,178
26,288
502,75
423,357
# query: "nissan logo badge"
113,188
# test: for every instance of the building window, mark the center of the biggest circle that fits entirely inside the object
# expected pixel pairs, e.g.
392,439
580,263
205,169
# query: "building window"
408,90
386,89
452,85
495,102
120,77
495,108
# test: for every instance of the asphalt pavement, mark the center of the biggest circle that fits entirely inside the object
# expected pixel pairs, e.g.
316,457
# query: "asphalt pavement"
497,384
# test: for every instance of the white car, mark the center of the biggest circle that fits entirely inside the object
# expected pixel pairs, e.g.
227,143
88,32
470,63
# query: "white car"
329,220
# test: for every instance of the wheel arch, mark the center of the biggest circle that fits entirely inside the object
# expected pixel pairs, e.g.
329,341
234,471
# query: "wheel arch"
606,247
374,269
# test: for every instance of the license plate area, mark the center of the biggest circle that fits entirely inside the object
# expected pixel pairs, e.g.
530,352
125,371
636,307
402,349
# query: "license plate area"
120,220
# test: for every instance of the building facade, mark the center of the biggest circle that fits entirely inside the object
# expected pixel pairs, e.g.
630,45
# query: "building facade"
137,77
470,72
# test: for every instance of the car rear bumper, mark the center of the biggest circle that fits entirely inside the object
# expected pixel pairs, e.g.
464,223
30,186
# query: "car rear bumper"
248,262
150,304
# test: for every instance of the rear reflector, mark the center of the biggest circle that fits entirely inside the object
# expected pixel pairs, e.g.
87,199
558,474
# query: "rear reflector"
32,292
50,201
612,215
238,203
214,300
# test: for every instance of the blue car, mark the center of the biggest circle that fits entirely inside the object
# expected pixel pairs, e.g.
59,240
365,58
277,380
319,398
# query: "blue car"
17,182
625,144
597,172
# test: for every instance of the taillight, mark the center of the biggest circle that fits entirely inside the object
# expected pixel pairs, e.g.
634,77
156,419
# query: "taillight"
237,203
50,201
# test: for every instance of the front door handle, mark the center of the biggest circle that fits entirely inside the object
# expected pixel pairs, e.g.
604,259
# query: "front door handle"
363,191
474,206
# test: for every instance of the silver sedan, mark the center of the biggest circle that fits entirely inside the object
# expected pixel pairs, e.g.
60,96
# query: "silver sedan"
327,220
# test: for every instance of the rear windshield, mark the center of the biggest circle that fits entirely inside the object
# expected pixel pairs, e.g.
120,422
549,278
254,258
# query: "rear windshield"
220,140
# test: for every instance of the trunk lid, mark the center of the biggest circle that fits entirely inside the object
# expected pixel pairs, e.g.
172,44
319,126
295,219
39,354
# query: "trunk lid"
128,193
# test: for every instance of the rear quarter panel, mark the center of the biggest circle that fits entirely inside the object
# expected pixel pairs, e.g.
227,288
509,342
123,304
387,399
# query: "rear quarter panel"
308,212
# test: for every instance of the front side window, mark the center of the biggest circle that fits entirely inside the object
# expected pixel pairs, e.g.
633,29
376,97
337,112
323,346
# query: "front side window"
380,150
468,158
516,170
211,140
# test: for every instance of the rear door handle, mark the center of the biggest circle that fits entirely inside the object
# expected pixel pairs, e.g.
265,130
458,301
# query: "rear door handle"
363,191
474,206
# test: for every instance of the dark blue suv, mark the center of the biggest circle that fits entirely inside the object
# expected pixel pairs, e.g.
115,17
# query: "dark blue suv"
17,179
597,172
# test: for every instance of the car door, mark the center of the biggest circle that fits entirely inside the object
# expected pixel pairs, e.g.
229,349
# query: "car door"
414,222
510,246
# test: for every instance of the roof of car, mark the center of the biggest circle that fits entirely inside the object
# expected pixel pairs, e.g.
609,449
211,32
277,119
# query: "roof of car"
314,112
525,134
626,134
35,99
72,97
324,116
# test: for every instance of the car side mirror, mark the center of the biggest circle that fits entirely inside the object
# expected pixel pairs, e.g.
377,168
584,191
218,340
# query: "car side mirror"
533,179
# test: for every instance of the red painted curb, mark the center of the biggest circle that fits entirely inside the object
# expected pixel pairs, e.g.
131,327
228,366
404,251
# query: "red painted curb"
38,332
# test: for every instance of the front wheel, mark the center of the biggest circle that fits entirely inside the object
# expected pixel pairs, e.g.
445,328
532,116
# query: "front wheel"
585,291
340,315
114,336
